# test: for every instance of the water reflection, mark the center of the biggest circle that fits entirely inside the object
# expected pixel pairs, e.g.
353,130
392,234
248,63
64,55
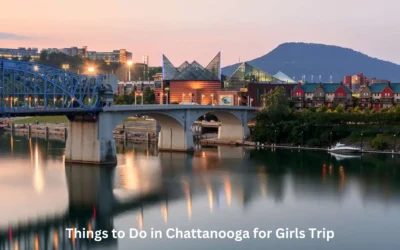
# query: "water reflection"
153,189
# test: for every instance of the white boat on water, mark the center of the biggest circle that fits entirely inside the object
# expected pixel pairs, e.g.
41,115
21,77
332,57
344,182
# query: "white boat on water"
340,148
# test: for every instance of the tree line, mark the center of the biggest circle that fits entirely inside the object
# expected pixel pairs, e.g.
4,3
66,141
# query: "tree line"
279,122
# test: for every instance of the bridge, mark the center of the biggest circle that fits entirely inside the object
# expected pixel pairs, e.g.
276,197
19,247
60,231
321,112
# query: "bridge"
29,89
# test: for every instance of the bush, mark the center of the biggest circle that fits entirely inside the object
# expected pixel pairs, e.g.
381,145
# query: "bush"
379,143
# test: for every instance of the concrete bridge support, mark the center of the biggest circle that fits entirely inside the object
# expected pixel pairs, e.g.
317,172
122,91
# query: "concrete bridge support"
233,127
90,141
174,136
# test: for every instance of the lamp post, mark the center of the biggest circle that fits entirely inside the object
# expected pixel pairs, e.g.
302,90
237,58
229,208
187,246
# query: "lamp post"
362,141
135,98
129,70
394,138
275,139
302,132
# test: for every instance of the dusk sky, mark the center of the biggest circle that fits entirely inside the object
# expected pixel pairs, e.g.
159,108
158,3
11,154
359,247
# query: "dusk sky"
189,30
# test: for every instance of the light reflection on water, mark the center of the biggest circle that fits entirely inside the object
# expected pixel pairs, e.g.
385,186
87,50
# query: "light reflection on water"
215,189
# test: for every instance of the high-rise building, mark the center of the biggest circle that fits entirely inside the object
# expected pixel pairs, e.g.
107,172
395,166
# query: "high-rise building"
72,51
116,56
347,81
119,56
358,81
19,53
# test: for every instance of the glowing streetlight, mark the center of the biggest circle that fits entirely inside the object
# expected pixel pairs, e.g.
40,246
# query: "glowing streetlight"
91,69
35,68
129,70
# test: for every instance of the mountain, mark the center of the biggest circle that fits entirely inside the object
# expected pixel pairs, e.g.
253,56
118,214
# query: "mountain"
298,59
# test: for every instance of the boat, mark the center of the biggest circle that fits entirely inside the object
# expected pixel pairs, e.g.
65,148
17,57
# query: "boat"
340,148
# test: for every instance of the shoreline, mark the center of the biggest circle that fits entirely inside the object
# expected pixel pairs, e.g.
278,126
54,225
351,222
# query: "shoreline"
143,138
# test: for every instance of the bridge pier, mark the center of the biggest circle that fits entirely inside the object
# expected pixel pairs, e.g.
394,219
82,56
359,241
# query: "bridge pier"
89,142
173,136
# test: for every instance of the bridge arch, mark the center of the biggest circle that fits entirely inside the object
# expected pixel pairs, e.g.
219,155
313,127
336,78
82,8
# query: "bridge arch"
93,142
233,123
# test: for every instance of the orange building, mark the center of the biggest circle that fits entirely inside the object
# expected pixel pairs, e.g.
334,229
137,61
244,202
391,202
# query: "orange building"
190,82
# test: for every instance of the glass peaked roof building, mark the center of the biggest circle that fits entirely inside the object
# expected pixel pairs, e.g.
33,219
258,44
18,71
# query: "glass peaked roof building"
192,71
247,73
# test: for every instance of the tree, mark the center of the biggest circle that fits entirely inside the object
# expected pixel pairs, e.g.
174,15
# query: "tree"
275,100
379,143
339,109
322,109
148,96
26,58
356,110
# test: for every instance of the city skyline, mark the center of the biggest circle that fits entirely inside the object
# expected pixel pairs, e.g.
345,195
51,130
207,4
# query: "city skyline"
238,29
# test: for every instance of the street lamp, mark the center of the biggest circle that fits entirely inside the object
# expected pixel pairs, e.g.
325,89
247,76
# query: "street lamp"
91,70
129,70
65,66
362,141
135,98
166,98
302,132
394,138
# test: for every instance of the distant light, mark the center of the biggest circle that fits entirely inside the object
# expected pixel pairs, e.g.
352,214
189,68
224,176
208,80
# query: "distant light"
129,63
91,69
35,68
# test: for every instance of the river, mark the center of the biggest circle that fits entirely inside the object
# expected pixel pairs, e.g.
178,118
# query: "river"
215,189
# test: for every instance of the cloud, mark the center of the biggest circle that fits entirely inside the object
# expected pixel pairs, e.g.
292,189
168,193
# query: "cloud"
12,36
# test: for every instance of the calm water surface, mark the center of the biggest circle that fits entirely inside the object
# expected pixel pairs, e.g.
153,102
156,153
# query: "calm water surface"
219,188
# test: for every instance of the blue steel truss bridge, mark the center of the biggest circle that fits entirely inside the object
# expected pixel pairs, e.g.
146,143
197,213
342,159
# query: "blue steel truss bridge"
29,88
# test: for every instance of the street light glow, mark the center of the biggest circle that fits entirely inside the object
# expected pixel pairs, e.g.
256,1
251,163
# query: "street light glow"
91,69
129,63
